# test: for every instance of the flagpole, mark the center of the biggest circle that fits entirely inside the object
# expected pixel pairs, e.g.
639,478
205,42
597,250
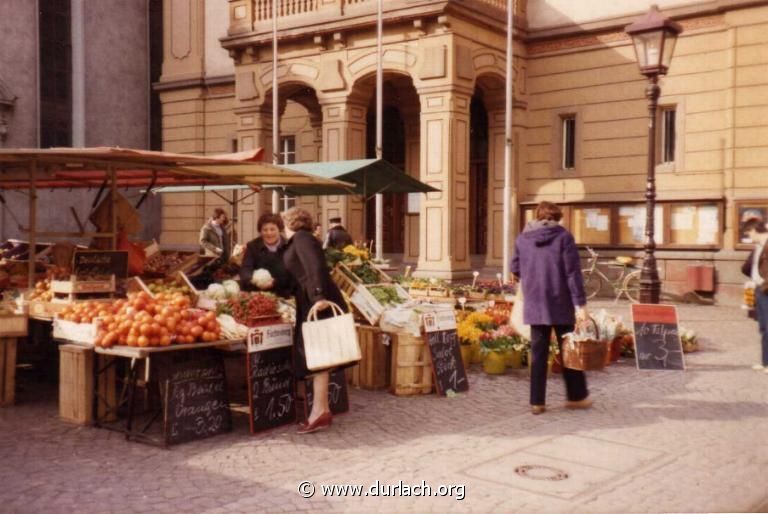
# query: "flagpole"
379,133
275,106
507,213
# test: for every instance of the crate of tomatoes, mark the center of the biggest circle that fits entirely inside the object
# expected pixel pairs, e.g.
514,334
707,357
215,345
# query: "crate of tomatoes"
251,309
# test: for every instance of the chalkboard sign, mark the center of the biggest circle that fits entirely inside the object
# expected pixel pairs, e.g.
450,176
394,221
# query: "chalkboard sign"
338,395
443,343
196,404
271,388
100,265
657,338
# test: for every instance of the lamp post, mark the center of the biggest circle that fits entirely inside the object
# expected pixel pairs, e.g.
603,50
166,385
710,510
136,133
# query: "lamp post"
654,38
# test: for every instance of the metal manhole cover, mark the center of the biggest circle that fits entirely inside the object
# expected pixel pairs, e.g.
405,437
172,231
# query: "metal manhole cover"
541,473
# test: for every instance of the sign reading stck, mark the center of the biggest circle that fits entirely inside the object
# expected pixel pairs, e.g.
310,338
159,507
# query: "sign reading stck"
269,337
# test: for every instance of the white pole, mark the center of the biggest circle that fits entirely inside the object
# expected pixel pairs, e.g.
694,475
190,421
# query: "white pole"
508,145
379,121
275,106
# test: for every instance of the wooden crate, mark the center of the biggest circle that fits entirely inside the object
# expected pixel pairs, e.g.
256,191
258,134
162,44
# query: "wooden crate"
7,371
13,325
74,286
76,384
411,366
373,371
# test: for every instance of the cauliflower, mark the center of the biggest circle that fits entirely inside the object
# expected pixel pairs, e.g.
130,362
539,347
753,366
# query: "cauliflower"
216,292
231,287
261,278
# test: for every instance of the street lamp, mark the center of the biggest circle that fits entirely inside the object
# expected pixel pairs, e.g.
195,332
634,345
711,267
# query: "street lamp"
654,38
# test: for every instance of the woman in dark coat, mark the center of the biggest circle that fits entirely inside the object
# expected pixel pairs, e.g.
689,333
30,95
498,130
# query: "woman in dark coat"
266,252
547,263
313,287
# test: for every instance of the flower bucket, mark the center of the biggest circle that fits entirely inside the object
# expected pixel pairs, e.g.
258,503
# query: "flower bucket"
493,363
467,352
514,359
477,356
690,346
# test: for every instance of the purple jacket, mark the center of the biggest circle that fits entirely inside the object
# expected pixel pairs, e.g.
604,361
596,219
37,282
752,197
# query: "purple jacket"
547,262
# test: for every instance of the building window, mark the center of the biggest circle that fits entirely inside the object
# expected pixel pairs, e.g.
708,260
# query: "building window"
668,134
55,73
569,142
288,150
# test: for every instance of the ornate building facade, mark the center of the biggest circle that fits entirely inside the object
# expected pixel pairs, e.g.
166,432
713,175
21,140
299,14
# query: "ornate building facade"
580,119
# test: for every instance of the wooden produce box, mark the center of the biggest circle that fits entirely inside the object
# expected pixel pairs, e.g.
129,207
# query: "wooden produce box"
77,332
75,286
76,386
13,325
411,371
41,309
7,371
373,371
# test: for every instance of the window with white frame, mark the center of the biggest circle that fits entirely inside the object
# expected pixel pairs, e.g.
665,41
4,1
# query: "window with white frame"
568,131
288,150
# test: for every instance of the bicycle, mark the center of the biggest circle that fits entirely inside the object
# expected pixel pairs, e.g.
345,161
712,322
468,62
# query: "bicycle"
627,283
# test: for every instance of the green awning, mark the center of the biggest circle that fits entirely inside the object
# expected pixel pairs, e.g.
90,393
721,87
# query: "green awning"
369,176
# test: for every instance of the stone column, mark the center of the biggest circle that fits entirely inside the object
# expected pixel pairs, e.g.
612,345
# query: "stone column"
343,130
444,164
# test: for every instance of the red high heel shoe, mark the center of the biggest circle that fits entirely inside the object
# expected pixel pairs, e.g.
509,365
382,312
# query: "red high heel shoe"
321,423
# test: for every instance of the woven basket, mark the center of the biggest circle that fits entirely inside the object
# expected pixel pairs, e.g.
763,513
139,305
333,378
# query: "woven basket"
586,355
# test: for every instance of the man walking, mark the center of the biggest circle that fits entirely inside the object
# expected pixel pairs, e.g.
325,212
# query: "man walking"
756,268
214,238
337,237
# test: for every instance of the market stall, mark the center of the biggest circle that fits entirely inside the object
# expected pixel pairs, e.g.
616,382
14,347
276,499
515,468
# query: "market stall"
79,299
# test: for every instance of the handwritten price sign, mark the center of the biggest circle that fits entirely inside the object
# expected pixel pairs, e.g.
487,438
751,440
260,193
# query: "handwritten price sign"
657,337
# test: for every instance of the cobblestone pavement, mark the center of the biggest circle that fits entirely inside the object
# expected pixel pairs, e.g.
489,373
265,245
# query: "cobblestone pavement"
655,441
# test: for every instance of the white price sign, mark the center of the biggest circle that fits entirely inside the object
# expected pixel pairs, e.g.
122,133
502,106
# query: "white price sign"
269,337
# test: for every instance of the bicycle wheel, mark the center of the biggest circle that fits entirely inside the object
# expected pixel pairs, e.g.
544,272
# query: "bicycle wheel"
593,282
631,286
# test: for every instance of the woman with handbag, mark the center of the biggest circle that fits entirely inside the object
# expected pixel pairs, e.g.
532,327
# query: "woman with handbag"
314,289
546,262
266,253
756,268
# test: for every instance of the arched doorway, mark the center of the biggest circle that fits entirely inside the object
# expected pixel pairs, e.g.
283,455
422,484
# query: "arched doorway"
300,140
486,180
478,176
400,146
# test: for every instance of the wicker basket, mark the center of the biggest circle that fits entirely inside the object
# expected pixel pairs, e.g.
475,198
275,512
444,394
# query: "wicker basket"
586,355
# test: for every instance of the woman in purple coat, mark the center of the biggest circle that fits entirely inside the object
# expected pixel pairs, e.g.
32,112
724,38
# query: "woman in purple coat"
547,264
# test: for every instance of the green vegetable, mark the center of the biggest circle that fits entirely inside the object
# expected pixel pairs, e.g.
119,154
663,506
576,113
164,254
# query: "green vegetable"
386,295
366,273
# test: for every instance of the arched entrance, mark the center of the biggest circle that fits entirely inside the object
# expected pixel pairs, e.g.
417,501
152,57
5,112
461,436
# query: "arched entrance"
486,180
400,146
300,140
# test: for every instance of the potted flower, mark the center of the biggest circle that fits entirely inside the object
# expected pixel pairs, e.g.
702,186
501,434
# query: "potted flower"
471,328
519,346
689,339
494,346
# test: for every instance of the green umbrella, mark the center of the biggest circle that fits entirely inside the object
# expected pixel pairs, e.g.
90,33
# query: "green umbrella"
369,176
